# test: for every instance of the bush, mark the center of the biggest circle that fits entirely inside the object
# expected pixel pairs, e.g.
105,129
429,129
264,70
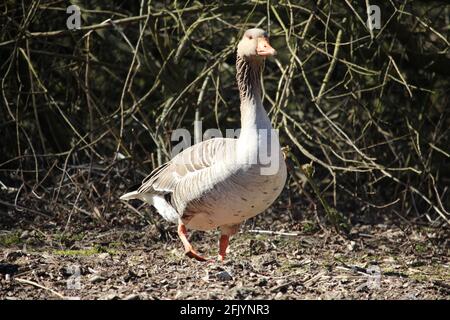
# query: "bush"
87,112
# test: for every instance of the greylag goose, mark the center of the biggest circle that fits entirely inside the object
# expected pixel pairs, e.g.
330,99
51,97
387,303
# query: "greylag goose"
221,182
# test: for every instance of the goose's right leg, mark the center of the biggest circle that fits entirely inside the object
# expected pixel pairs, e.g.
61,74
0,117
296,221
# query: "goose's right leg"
226,232
188,249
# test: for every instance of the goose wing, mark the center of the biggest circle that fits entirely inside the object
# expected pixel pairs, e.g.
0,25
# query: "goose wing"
187,165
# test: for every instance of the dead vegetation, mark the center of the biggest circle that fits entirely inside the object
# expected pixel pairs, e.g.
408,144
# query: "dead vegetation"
376,262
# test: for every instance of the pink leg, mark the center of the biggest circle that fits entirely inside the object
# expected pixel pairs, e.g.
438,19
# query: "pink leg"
223,245
188,249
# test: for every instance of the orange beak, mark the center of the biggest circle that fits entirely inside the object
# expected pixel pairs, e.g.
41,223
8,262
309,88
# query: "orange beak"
264,49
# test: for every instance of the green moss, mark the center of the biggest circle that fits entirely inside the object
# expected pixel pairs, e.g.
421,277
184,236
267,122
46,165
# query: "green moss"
86,252
421,248
310,227
10,239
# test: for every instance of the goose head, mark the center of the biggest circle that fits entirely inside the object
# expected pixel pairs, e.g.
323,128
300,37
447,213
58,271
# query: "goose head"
255,45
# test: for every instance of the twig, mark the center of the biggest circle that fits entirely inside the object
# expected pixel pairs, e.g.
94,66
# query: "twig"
19,207
331,68
39,286
288,234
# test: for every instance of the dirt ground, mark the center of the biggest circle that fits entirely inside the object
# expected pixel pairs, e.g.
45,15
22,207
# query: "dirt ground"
129,257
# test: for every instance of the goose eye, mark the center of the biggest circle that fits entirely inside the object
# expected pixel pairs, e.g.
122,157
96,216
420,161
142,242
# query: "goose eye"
250,37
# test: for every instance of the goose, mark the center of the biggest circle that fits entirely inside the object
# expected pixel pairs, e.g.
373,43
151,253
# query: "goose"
221,182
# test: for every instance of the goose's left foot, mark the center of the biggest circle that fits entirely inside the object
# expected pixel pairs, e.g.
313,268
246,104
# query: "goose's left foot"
188,249
194,255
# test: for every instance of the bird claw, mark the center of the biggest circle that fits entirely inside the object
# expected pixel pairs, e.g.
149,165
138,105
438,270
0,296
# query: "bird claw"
194,255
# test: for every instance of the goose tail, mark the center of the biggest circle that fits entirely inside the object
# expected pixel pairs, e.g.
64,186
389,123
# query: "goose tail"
130,195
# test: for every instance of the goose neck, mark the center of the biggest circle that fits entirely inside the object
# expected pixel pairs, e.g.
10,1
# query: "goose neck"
253,114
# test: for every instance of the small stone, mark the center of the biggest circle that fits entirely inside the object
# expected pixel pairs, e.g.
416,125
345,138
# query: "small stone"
278,296
351,246
96,278
206,277
103,255
111,296
224,276
132,296
178,295
280,282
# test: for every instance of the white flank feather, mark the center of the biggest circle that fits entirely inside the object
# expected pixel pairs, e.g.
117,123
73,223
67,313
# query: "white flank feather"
160,204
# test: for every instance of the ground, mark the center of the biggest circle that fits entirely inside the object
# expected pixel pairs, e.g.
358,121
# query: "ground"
136,259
